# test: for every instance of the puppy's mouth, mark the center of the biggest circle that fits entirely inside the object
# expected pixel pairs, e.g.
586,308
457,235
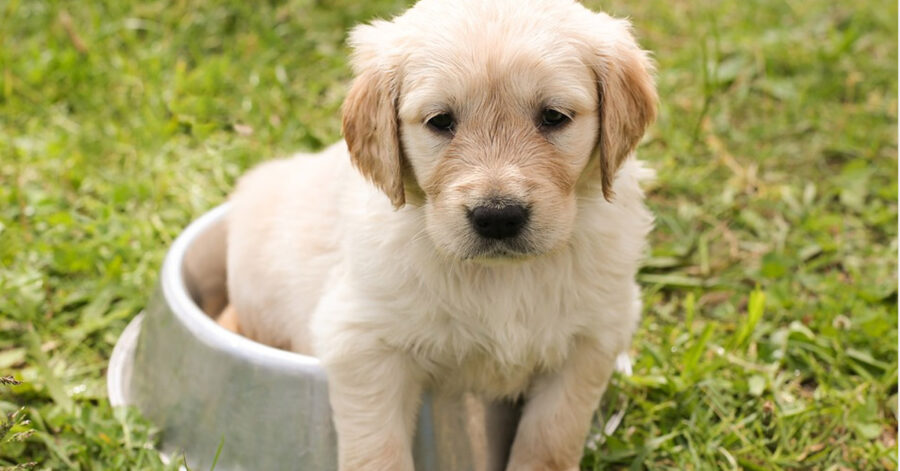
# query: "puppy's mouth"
500,250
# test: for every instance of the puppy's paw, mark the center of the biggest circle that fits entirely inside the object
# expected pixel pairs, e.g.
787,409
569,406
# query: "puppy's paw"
229,319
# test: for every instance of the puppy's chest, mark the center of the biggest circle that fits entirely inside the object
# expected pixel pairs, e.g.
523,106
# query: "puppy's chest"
500,372
492,329
497,347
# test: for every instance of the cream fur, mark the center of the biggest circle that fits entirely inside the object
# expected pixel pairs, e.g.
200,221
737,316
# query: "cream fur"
394,301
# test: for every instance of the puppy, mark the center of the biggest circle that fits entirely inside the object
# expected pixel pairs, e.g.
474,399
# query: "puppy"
479,230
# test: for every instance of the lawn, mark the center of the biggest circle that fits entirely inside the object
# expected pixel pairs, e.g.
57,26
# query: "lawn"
769,338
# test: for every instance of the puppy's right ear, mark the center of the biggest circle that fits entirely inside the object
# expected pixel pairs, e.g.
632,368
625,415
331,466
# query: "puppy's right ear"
370,124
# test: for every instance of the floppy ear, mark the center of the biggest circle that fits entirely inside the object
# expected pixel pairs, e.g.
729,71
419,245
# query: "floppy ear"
370,118
627,98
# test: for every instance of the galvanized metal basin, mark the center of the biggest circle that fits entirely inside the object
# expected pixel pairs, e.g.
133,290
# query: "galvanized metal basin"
205,386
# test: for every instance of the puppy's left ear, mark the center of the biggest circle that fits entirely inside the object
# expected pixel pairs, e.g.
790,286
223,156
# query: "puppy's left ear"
370,124
627,92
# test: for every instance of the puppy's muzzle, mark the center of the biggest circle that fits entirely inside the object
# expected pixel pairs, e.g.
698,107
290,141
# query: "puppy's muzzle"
498,221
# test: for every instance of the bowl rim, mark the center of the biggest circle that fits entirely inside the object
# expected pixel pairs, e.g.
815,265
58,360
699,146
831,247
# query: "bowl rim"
203,327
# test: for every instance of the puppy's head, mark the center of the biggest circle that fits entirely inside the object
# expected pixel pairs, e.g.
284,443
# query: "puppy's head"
495,116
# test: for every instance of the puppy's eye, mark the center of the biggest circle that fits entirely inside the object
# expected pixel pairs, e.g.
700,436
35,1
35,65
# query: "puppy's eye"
551,118
443,122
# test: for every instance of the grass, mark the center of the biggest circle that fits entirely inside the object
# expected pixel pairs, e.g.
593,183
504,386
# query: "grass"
769,338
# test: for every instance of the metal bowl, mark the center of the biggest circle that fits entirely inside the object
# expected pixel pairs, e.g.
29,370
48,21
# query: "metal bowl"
208,389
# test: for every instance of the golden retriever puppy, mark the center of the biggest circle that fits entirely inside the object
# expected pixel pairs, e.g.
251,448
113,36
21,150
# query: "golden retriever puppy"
479,229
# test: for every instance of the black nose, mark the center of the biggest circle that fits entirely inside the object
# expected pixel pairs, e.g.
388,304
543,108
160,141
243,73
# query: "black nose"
499,222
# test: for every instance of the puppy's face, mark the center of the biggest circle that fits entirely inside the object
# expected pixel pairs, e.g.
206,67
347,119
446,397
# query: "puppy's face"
496,138
491,115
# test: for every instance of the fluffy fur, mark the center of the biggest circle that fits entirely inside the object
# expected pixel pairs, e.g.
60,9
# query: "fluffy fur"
363,254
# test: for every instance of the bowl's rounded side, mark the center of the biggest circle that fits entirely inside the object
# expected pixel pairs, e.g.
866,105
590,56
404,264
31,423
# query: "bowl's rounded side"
206,387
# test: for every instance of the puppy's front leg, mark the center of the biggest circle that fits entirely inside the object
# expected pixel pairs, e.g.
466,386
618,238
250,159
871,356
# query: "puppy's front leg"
558,412
375,393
